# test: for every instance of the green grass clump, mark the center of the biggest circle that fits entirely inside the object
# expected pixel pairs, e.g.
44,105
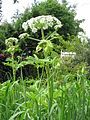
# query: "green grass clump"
46,99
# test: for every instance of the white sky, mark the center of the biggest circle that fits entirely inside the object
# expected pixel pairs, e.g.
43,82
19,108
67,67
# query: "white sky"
83,9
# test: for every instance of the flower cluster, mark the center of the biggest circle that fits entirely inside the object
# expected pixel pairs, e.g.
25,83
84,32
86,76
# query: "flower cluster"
11,41
23,35
41,22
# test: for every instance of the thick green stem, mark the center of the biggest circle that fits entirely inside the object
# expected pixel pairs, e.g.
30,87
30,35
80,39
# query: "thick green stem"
38,72
21,74
42,32
14,74
50,90
13,68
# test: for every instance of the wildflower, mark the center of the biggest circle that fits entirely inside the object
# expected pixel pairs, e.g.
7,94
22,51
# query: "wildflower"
57,26
23,35
25,26
42,22
11,41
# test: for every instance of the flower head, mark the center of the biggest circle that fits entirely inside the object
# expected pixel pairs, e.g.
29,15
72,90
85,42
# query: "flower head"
42,22
23,35
25,26
11,41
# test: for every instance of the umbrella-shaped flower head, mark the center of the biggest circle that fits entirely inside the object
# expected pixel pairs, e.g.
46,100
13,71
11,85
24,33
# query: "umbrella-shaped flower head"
42,22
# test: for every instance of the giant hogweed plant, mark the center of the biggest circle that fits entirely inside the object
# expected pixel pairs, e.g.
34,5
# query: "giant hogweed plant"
12,47
42,23
15,62
45,45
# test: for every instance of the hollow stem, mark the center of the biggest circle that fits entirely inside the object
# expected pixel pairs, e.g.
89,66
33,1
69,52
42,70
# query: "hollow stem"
42,32
13,68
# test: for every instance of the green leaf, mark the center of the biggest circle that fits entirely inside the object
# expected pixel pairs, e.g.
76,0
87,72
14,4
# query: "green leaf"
15,115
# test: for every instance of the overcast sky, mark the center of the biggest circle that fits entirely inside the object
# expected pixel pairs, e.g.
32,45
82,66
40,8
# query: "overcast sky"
83,9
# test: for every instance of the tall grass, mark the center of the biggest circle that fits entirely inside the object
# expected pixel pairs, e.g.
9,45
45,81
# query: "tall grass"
46,99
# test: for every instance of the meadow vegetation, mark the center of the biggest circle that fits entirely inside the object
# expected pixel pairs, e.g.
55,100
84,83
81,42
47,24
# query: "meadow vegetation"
60,90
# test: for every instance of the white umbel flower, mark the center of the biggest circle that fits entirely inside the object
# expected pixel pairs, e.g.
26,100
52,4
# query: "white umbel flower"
25,26
23,35
11,41
42,22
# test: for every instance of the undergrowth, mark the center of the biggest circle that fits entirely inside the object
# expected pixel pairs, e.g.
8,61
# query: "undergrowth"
46,99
